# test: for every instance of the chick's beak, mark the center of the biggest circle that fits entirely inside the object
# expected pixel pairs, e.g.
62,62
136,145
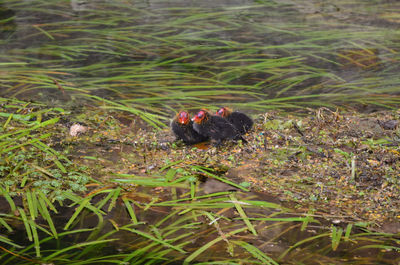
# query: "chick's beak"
195,118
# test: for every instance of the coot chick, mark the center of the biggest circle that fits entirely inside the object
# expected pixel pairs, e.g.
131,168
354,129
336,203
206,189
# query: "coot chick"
215,127
241,121
182,126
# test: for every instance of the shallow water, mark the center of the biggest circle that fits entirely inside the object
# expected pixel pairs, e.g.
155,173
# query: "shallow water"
276,235
156,55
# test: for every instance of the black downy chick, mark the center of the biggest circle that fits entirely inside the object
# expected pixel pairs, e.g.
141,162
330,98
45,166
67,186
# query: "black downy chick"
182,127
241,121
215,127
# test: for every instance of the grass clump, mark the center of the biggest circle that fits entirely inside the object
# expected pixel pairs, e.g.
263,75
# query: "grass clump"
28,160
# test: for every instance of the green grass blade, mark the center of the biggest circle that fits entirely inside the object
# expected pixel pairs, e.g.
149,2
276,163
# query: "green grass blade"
206,246
243,214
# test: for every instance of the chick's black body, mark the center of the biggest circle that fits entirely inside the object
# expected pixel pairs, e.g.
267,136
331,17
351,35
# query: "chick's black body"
215,127
182,127
241,121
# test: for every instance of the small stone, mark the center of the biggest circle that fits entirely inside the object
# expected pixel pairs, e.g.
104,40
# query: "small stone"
151,167
164,146
388,125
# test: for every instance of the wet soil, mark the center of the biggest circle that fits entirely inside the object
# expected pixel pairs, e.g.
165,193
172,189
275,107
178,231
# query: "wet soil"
345,166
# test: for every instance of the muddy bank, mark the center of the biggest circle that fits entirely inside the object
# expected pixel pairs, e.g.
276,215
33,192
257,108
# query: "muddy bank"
343,165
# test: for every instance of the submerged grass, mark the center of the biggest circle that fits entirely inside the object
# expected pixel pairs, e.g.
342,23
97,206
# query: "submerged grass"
175,233
153,61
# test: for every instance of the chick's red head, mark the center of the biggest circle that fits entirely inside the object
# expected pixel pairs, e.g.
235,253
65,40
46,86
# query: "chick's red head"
223,112
183,117
200,116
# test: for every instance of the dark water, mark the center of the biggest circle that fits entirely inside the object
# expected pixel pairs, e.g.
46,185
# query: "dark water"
161,54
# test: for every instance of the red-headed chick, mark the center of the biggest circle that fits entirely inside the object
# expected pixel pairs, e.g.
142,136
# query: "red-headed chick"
215,127
241,121
182,127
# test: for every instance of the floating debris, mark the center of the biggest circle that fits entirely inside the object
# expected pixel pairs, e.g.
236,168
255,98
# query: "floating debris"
77,129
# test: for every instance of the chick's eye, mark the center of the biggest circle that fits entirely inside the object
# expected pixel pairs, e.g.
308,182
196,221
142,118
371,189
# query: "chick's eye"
200,114
221,111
